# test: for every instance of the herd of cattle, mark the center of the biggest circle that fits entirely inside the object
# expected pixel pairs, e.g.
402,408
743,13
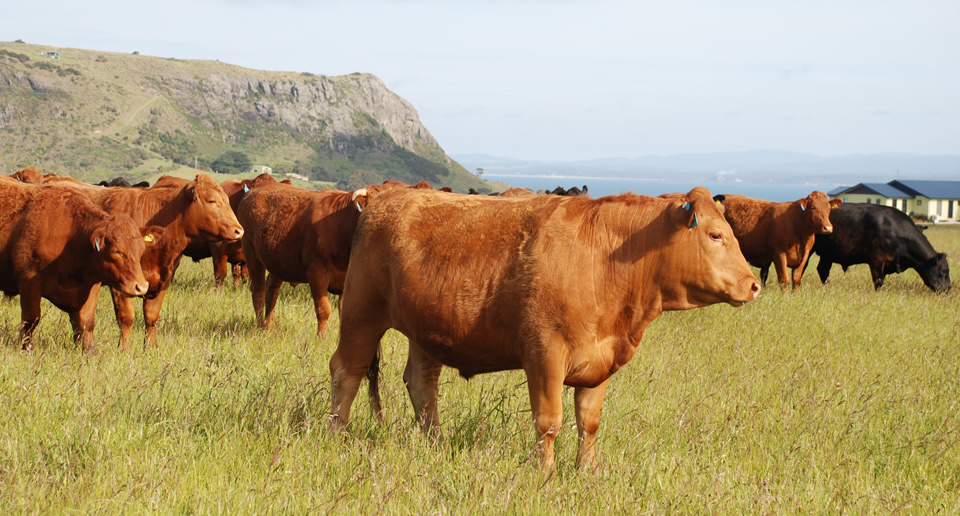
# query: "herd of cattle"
562,287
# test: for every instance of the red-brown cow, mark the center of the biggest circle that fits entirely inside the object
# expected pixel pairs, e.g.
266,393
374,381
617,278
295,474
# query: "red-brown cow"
517,192
29,175
299,236
778,232
561,287
188,211
226,254
56,244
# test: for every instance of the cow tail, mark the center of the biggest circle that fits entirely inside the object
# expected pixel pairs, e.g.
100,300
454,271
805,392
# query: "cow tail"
373,384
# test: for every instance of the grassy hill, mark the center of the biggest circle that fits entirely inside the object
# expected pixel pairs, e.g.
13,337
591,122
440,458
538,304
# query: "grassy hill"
95,115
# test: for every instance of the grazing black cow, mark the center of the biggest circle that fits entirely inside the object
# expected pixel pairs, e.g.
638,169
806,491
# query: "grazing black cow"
572,192
122,182
886,239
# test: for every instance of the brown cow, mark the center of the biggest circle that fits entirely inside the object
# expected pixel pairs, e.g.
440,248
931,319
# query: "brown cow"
231,253
561,287
29,175
189,211
299,236
517,192
55,243
782,233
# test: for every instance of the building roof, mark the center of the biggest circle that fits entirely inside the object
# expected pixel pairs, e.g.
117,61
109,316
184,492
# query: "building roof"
929,189
883,189
839,190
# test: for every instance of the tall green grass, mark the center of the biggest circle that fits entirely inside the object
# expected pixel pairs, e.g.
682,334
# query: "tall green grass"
832,399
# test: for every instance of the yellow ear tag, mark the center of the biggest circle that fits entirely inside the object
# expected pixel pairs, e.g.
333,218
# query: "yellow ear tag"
719,203
148,238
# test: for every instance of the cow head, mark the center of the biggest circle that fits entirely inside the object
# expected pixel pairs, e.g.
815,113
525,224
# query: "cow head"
29,175
117,245
264,180
209,215
361,197
704,263
936,273
816,211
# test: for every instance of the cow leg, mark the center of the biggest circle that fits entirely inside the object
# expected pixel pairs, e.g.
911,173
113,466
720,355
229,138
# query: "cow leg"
151,314
29,314
272,293
257,280
84,320
545,383
361,329
798,271
780,263
239,273
422,378
876,271
123,309
588,401
764,272
321,302
823,269
220,265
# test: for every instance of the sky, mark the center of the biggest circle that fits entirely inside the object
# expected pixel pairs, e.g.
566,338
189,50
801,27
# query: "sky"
582,79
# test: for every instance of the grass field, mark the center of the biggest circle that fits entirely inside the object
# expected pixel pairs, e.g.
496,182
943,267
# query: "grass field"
832,399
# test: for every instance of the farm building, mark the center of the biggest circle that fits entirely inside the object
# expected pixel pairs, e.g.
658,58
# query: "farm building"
935,200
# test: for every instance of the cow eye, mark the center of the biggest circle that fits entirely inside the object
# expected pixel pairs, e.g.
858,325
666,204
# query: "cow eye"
716,237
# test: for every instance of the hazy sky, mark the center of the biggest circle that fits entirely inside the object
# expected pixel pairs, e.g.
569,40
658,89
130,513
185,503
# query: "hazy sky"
580,79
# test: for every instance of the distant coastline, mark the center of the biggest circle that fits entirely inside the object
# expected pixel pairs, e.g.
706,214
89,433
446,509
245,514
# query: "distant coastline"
603,186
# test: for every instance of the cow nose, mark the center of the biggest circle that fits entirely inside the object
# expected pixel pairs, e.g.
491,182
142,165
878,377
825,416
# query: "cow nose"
755,289
141,288
237,233
828,229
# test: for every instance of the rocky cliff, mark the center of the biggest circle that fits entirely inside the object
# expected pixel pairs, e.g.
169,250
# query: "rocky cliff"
95,114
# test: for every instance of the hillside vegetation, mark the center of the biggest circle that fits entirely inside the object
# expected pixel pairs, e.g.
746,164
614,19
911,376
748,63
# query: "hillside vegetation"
833,399
95,115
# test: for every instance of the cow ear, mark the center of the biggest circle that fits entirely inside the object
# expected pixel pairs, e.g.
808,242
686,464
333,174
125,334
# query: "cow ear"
835,203
359,198
803,203
98,239
151,234
190,192
684,214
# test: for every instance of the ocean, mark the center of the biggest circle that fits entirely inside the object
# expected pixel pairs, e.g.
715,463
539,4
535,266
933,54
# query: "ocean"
600,187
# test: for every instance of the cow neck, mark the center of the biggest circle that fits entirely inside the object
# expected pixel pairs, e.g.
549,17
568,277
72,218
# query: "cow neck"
164,206
168,248
634,265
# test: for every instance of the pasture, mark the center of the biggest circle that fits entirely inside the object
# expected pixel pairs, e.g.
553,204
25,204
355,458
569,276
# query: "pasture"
832,399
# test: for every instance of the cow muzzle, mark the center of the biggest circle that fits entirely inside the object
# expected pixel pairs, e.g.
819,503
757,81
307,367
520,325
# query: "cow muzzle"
235,234
139,289
826,229
752,292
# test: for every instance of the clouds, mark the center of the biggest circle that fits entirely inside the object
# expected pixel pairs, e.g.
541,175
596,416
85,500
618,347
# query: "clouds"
579,79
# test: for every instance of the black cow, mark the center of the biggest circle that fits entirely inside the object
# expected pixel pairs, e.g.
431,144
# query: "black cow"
886,239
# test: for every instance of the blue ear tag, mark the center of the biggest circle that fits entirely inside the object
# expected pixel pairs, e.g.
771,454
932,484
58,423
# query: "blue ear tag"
359,209
96,243
686,206
802,207
695,222
246,188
